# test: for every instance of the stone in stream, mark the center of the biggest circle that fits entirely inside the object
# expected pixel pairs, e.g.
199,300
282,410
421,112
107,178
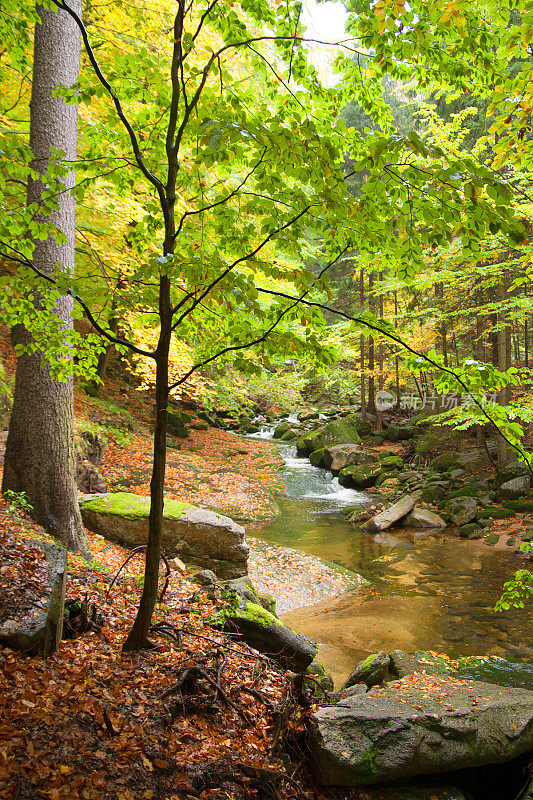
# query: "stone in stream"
422,518
372,671
420,725
461,510
340,456
195,535
360,476
393,514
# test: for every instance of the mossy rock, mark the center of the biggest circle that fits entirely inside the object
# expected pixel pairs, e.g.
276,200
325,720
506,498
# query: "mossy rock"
492,538
289,436
521,506
317,456
195,535
466,530
282,428
495,512
386,476
322,682
464,491
176,426
391,463
360,476
433,493
445,461
263,631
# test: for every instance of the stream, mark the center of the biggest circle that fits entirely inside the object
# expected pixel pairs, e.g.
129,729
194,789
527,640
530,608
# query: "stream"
429,591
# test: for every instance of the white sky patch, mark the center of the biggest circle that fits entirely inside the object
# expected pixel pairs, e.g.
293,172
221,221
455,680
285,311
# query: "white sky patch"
327,22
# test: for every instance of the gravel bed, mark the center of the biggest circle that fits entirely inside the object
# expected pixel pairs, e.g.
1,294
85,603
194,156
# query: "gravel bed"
295,579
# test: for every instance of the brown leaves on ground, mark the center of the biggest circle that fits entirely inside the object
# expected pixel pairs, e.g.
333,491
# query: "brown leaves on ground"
91,723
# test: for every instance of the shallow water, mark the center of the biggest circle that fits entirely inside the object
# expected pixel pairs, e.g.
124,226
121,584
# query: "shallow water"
429,591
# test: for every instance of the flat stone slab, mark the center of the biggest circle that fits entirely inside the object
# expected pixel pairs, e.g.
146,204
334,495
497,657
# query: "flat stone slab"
420,725
37,628
192,534
393,514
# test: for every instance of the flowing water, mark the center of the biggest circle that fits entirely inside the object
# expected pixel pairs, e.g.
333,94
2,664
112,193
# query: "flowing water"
428,590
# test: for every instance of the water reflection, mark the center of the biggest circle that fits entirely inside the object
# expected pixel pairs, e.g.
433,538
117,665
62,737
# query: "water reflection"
429,591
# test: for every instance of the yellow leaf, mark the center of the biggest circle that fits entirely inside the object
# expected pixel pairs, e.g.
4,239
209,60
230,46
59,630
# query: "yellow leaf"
147,763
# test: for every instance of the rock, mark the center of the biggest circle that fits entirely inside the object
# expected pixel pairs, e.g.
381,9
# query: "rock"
264,632
305,416
176,425
39,630
444,461
433,493
340,456
466,531
192,534
360,476
410,791
515,488
514,469
461,510
391,463
403,664
280,429
177,565
89,450
408,728
316,457
456,473
372,671
289,436
492,538
393,514
422,518
338,431
521,506
322,682
495,512
206,577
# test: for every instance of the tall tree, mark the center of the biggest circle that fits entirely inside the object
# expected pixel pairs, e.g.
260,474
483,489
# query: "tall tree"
40,454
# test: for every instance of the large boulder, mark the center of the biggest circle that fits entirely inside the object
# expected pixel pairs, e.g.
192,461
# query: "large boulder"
418,726
515,488
460,510
193,534
514,469
393,514
360,476
422,518
35,626
340,456
338,431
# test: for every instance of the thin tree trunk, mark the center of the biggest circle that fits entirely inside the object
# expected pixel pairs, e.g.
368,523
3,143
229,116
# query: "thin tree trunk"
396,358
504,362
380,357
443,330
40,454
371,405
362,344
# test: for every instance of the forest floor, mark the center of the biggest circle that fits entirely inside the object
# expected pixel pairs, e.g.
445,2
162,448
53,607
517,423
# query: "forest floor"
89,722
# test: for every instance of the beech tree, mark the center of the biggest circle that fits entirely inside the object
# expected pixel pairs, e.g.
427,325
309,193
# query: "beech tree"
40,455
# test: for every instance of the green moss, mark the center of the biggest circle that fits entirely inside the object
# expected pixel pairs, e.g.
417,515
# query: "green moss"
496,513
366,766
368,661
248,611
132,506
522,506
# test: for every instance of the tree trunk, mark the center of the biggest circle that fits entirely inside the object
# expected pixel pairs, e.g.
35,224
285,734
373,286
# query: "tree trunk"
40,454
439,294
504,362
371,405
362,344
380,358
